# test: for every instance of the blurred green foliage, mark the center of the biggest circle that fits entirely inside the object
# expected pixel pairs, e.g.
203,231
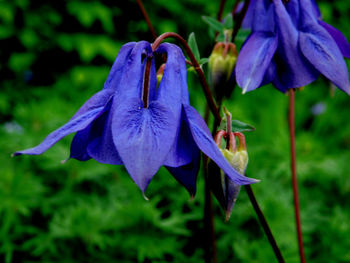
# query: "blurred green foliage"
55,54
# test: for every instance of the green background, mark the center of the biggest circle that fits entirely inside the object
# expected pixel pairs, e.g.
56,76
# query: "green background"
54,55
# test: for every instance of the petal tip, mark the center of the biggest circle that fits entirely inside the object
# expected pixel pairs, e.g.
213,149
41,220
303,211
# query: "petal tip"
65,160
15,154
250,181
227,216
144,196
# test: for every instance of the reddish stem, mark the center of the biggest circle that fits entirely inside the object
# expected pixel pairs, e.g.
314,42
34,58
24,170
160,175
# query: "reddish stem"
231,145
221,9
196,66
148,21
291,118
239,19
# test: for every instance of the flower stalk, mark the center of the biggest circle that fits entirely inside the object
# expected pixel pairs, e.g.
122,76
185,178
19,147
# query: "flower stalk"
148,21
264,223
221,9
291,121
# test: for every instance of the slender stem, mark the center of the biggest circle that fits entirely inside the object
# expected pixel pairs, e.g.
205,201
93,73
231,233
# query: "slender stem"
211,103
148,21
264,223
210,249
221,9
294,174
234,10
239,20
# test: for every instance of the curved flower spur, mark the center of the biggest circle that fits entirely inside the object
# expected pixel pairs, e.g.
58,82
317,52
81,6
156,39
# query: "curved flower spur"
133,123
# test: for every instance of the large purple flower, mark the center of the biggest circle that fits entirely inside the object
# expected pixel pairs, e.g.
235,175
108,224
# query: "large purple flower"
115,126
291,46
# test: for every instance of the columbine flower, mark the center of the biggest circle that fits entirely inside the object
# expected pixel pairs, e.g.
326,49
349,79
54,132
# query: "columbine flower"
290,46
133,123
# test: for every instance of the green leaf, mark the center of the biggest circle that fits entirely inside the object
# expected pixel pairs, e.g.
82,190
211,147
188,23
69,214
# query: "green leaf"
214,24
193,45
203,61
237,126
228,23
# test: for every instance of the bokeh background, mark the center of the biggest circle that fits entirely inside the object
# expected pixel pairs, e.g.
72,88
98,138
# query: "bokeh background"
55,54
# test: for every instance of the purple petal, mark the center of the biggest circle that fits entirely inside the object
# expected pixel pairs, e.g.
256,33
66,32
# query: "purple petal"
173,85
293,9
254,59
339,38
171,89
74,125
187,174
183,159
249,16
143,137
316,9
263,17
181,153
321,50
293,70
270,73
79,144
133,74
101,146
206,144
100,99
116,71
83,138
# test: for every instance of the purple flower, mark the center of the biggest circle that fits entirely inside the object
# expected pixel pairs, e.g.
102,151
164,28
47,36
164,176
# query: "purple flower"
115,126
290,47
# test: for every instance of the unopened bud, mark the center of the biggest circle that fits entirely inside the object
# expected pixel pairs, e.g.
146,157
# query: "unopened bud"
221,63
237,158
225,190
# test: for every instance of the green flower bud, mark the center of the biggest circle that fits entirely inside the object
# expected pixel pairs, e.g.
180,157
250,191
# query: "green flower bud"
221,63
225,190
238,160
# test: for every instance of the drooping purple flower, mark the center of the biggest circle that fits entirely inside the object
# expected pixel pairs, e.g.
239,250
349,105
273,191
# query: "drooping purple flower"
116,127
290,46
